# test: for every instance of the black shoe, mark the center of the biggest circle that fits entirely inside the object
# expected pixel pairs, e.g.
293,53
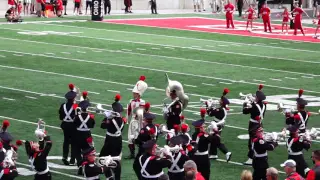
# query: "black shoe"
72,162
65,162
80,173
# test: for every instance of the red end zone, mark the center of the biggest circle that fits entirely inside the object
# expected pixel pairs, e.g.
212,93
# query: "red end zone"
218,26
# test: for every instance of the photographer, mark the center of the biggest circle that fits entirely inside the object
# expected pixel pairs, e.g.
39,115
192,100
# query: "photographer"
10,15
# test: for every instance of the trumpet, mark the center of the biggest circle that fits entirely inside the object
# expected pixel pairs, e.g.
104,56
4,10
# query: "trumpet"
164,130
210,103
40,131
285,109
107,113
167,151
212,128
108,161
248,99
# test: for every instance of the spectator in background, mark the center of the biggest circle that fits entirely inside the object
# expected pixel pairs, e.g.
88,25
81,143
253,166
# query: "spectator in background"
246,175
107,7
272,173
128,4
26,6
19,7
76,7
190,175
191,166
290,169
88,5
314,173
65,2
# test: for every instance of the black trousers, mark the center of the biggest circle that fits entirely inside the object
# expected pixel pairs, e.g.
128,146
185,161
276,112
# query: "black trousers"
260,166
137,168
176,176
252,134
107,6
81,144
215,144
240,5
203,164
68,139
259,7
153,6
173,121
46,176
112,146
301,164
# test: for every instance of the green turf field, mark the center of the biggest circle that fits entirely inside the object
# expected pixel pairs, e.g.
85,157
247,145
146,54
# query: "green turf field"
106,59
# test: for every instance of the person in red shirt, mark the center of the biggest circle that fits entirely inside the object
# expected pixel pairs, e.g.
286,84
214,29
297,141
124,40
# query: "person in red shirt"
314,173
190,169
19,8
285,19
297,11
76,7
59,7
251,12
265,12
229,8
290,169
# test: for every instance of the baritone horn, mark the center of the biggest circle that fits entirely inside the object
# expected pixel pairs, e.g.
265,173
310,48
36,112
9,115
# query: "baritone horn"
136,123
108,161
164,130
106,112
40,131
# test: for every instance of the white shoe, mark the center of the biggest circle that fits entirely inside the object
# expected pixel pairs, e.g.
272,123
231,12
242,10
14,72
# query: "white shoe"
248,162
228,156
213,157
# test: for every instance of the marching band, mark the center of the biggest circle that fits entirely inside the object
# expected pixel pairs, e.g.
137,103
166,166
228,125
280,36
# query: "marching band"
149,162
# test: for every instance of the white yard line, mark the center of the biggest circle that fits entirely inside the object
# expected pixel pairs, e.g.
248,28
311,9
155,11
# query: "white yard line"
188,85
141,49
42,22
169,47
257,80
224,83
291,78
208,84
167,57
92,92
274,79
82,52
189,38
2,56
17,55
182,47
30,97
9,99
50,53
65,53
113,91
155,48
135,67
96,51
126,50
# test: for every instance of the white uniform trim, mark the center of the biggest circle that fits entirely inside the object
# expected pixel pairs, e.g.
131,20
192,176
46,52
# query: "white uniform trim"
31,160
1,173
260,112
83,126
290,152
67,118
93,178
143,171
258,155
118,132
200,153
223,120
175,166
303,121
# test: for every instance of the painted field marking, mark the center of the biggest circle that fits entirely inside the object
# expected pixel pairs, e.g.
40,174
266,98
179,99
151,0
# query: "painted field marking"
96,51
257,80
308,77
30,97
274,79
141,49
50,53
65,53
182,47
113,91
2,56
155,48
224,83
126,50
169,47
167,57
93,92
197,39
9,99
222,45
291,78
135,67
42,22
54,127
190,85
208,84
17,55
82,52
53,171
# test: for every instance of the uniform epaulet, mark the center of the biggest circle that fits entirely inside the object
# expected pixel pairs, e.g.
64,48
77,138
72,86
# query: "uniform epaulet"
91,116
153,157
296,117
200,134
255,139
265,102
309,114
295,139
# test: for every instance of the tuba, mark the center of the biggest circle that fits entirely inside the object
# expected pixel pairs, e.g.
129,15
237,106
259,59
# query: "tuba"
136,124
175,86
40,131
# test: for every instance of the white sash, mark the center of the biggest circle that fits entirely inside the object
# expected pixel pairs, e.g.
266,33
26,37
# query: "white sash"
143,171
261,110
118,132
83,126
303,121
67,118
256,154
175,166
290,152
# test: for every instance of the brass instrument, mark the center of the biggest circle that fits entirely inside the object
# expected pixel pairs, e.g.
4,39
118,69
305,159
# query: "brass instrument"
164,130
212,128
106,112
167,151
40,131
284,109
136,123
248,99
210,103
108,161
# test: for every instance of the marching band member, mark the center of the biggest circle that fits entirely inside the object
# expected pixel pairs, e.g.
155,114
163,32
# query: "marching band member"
201,157
295,145
67,113
265,12
151,165
220,115
91,170
256,110
2,152
260,156
229,8
5,136
176,170
83,121
300,118
176,132
174,110
148,132
38,153
136,102
114,124
8,173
